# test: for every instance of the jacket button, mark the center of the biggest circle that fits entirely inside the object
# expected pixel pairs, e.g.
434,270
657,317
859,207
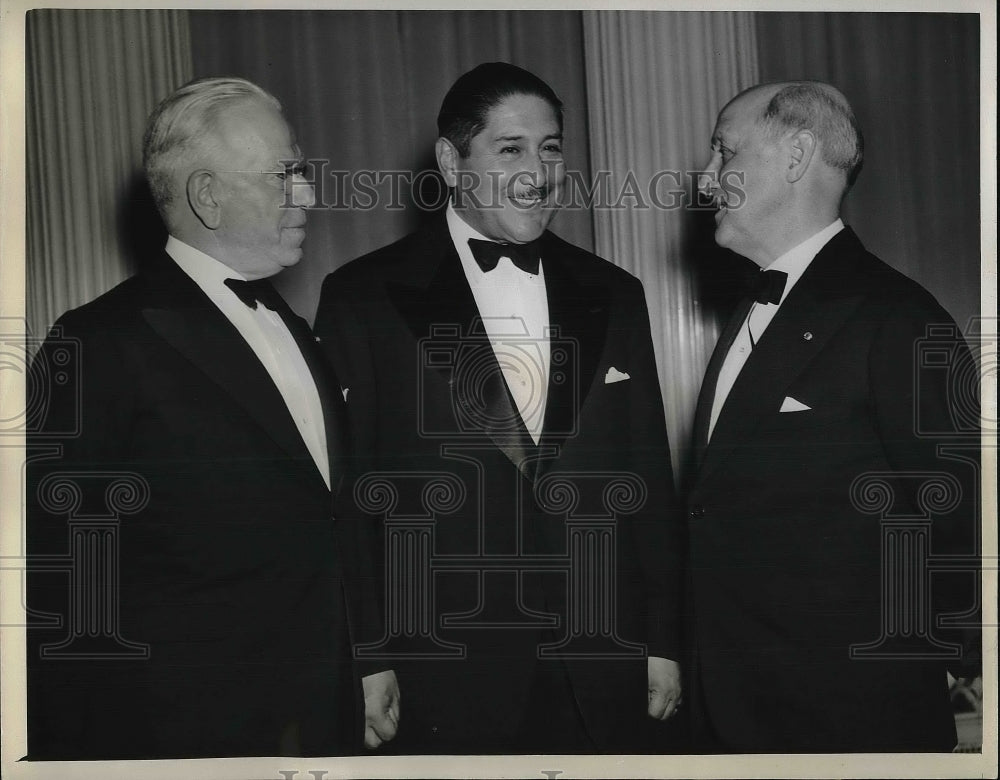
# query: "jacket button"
697,512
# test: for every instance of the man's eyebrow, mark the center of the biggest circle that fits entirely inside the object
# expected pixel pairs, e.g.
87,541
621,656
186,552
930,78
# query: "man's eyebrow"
504,138
717,142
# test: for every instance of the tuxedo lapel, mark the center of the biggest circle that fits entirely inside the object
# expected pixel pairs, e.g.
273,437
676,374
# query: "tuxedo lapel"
330,394
438,306
181,314
816,308
706,399
578,316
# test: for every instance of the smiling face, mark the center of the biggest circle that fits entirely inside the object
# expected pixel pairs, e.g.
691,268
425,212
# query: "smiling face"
262,200
748,183
508,186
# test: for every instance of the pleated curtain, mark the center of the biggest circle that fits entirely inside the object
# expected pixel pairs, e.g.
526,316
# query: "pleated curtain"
655,82
92,78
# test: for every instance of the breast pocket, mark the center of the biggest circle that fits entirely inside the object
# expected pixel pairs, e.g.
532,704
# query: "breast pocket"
831,418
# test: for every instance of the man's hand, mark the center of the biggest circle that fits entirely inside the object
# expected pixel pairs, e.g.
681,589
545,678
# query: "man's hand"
381,707
664,687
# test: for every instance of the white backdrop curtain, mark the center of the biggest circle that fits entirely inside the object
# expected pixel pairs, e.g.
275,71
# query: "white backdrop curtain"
655,82
92,79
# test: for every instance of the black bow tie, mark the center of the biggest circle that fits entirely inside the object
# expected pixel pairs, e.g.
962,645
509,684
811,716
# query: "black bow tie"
766,286
257,290
488,254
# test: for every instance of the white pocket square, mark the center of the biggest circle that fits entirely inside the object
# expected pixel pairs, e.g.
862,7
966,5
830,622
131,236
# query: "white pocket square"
791,405
345,391
614,375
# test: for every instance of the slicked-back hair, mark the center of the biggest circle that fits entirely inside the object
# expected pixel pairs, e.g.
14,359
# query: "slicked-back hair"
180,129
815,106
465,109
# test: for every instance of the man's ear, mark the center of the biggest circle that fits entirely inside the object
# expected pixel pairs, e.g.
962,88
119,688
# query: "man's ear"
802,146
447,160
201,195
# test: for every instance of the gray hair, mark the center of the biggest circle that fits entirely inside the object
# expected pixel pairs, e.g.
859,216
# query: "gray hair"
813,105
181,127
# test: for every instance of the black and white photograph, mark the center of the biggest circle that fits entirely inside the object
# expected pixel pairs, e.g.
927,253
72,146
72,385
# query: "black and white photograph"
541,392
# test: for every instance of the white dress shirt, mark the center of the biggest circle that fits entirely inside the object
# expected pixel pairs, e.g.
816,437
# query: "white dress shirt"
794,263
269,338
515,313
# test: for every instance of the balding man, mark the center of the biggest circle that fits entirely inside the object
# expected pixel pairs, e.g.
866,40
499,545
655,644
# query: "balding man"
814,408
212,619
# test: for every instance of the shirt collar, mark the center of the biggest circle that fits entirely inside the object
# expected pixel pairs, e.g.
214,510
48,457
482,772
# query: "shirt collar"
207,272
797,259
461,231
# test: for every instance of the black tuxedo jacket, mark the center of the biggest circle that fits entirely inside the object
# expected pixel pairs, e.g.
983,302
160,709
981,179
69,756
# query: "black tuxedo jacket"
425,399
793,556
218,623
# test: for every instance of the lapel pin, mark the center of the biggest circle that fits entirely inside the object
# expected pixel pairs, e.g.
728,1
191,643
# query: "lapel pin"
808,336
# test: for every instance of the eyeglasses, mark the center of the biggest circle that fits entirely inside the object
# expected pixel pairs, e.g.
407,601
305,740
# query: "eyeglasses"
290,170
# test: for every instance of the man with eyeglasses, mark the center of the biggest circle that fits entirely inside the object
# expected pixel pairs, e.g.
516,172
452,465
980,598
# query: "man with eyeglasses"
225,622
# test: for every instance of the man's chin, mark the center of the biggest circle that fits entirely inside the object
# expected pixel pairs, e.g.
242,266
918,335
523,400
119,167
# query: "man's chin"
722,236
287,259
530,227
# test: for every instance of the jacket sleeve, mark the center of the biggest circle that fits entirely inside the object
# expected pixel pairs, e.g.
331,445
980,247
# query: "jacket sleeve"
925,393
342,337
657,528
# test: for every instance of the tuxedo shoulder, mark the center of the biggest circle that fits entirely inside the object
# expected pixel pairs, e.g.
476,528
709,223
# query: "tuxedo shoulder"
380,264
586,264
113,309
891,288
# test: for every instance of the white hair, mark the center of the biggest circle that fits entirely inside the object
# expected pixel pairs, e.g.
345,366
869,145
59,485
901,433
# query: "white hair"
181,128
823,109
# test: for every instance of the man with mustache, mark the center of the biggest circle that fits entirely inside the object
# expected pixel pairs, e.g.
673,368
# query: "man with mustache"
213,617
833,463
486,355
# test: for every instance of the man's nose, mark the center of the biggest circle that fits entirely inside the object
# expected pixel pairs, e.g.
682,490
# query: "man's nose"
708,179
536,170
303,193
